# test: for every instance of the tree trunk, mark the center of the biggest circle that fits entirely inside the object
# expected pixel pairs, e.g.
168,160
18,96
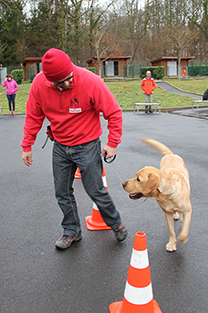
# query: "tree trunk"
179,64
100,68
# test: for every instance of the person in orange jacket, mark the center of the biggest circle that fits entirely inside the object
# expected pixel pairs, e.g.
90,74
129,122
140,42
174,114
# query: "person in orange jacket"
148,85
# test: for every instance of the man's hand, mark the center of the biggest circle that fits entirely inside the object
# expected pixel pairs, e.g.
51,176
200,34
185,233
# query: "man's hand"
110,151
27,158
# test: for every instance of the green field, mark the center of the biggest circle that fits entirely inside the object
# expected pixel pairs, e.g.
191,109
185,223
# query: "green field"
126,94
130,92
195,85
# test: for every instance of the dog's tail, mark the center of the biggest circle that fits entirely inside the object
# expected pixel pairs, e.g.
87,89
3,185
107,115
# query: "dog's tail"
158,146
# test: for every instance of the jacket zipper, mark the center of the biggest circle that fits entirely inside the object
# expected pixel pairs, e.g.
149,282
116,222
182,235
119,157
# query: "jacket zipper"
60,99
59,94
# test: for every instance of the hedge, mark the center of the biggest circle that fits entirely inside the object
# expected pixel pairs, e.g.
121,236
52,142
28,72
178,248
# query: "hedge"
92,69
195,70
157,72
18,75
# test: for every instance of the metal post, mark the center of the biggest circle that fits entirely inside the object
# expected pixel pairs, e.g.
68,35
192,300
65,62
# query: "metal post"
132,70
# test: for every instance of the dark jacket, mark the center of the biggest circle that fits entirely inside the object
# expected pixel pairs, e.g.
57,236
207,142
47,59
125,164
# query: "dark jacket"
205,95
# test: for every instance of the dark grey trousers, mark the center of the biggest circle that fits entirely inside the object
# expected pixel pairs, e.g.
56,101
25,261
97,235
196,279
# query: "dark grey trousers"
87,157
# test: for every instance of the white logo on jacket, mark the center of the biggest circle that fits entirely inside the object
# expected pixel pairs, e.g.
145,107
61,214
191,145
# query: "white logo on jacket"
78,110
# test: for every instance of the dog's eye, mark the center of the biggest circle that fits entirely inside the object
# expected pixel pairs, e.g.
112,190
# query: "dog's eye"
138,179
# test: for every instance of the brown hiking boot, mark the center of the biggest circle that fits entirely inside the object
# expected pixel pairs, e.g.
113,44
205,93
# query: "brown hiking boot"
120,232
65,241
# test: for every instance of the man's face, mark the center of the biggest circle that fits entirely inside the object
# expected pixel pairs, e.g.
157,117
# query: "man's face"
148,74
66,83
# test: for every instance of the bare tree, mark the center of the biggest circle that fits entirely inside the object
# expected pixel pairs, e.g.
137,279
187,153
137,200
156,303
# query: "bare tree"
98,35
198,14
101,22
134,22
179,39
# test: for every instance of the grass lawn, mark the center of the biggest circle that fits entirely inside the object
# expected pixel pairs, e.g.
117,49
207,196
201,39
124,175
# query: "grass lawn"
126,94
195,85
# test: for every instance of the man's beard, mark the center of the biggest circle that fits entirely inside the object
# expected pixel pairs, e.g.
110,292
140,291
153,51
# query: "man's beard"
66,87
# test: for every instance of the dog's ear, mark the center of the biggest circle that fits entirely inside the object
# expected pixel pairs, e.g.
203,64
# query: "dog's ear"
152,183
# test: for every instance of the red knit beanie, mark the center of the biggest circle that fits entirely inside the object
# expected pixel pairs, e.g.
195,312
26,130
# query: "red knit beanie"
56,65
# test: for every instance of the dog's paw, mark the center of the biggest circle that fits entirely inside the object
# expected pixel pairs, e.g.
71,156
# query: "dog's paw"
182,218
176,216
181,241
171,247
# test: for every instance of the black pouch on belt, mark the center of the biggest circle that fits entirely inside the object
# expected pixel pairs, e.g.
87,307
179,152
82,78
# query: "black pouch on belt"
49,135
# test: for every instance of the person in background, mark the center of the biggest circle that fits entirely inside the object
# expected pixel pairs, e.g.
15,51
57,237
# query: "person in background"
148,85
71,98
11,89
205,95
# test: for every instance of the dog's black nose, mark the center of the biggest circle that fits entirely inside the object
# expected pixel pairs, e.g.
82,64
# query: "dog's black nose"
124,184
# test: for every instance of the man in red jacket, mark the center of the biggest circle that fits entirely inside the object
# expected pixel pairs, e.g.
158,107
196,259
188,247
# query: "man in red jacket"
71,98
148,85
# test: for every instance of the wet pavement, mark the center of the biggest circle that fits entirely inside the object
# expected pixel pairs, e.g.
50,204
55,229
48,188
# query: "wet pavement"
86,278
198,113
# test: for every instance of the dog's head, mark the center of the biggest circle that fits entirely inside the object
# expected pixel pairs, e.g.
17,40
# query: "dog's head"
145,183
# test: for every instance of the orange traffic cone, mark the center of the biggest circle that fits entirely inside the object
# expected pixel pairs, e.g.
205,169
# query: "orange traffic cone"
77,175
138,295
95,221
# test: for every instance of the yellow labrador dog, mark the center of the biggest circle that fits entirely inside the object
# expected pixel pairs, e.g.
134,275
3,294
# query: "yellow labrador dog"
170,186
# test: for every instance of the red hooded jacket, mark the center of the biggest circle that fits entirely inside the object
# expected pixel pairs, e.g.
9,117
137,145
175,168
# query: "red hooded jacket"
74,113
148,85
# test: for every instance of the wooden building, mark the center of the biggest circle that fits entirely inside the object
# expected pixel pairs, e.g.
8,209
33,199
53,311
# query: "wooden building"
32,66
171,64
111,66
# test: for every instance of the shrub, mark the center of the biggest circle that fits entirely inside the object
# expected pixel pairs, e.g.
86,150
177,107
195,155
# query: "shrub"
157,72
92,69
195,70
18,75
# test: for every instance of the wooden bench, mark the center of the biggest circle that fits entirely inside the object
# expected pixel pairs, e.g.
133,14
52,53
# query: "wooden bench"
138,104
197,103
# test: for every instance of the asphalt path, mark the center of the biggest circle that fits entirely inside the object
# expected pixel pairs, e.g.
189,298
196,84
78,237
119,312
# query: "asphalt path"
37,278
199,113
172,89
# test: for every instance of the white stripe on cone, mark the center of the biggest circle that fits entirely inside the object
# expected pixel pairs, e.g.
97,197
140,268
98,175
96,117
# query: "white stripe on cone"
138,296
104,181
139,259
95,206
105,185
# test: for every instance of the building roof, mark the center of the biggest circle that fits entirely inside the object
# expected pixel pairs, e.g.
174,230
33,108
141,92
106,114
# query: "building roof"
172,58
32,59
104,57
